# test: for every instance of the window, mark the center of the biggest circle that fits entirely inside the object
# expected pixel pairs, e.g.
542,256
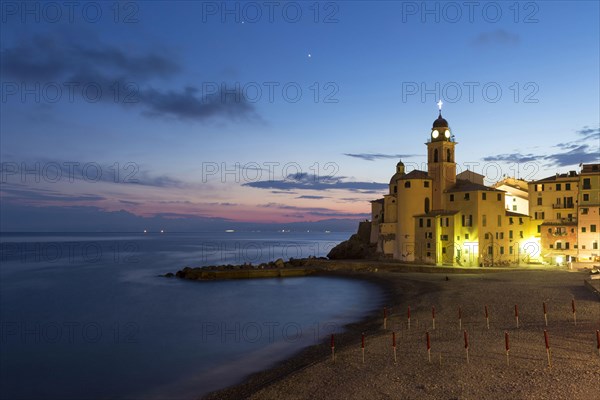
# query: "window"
451,197
420,222
520,221
466,236
428,254
592,228
426,183
448,155
483,196
467,196
499,197
407,184
501,249
567,186
499,220
539,201
443,250
484,220
539,187
514,207
447,221
510,250
558,187
435,155
587,183
558,245
521,234
549,230
595,246
429,222
584,211
583,230
566,245
539,229
458,238
490,250
487,235
510,234
395,189
428,245
444,237
441,222
426,205
510,221
586,197
551,246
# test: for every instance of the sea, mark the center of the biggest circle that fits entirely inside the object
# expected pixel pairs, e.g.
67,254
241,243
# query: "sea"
88,316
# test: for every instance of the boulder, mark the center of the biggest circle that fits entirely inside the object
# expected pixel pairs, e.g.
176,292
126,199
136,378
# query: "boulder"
353,248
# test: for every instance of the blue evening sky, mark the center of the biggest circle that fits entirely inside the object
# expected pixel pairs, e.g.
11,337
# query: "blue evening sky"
367,72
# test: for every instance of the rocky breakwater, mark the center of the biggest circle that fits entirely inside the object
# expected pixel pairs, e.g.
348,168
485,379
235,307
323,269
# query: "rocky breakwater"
273,269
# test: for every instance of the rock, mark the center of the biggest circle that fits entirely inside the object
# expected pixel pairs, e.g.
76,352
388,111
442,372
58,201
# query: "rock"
279,263
169,275
353,248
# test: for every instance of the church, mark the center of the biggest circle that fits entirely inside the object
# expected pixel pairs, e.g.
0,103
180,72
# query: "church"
440,217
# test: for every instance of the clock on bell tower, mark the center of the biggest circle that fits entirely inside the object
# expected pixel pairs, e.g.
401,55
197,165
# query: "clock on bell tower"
441,166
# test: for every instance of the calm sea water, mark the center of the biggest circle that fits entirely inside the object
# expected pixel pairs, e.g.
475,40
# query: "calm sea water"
85,316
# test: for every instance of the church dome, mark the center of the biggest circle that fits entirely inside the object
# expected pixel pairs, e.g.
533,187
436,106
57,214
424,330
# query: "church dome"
440,122
396,177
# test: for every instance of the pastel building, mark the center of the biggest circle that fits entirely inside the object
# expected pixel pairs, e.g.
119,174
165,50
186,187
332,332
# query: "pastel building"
439,217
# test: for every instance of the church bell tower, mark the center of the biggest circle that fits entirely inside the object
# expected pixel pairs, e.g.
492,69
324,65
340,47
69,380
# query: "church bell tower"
441,165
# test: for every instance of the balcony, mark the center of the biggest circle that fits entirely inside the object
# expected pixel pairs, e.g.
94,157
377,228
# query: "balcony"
563,206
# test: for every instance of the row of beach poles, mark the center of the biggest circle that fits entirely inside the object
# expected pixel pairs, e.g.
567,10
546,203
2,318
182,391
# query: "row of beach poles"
466,342
486,313
466,334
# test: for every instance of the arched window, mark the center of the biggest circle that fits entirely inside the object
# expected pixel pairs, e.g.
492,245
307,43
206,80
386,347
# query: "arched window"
407,184
395,189
426,204
448,158
435,155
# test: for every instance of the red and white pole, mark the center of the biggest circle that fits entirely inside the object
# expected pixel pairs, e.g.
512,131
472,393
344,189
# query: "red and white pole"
547,340
598,341
466,335
332,348
459,318
506,346
362,346
408,315
428,346
545,314
433,316
574,311
517,314
487,317
394,346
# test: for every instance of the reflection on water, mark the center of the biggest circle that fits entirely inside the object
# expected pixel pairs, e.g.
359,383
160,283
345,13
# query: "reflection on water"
88,317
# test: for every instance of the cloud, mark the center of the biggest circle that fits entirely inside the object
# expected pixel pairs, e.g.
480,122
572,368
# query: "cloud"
513,158
37,196
316,211
377,156
53,58
499,37
577,155
305,181
312,197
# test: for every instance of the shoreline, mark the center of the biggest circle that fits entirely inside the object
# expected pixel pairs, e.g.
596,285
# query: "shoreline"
398,286
311,354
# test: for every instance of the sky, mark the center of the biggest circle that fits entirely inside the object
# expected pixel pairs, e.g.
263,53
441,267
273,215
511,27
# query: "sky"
200,115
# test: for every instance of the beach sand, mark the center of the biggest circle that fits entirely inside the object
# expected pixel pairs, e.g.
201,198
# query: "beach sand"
575,371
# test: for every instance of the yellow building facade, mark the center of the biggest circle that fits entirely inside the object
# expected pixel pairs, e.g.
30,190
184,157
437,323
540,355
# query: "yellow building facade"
436,217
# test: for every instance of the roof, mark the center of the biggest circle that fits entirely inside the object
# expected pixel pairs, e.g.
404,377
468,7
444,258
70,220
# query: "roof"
378,201
463,185
571,174
436,213
415,174
514,214
440,122
590,168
